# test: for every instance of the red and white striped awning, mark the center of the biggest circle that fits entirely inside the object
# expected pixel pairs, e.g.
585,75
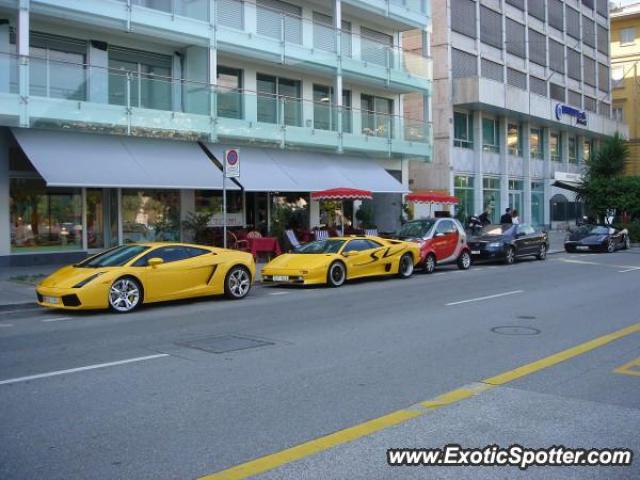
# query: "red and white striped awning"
431,198
342,194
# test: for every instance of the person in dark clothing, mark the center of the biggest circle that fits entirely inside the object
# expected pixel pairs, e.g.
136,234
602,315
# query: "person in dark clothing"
484,218
506,218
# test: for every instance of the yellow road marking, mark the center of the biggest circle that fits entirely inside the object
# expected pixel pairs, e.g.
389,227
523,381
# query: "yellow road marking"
630,368
283,457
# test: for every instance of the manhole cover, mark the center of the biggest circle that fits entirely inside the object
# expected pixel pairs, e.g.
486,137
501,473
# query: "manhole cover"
225,343
515,330
526,317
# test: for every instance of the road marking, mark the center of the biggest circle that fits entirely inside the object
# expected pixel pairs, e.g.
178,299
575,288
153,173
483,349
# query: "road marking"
5,325
279,293
488,297
627,268
81,369
320,444
57,319
631,269
630,368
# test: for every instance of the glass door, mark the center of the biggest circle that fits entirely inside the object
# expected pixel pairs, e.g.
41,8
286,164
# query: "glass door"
102,218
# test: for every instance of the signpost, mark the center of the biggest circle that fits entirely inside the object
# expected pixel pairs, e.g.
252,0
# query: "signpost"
230,169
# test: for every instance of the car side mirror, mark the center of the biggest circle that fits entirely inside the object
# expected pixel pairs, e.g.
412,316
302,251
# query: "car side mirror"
154,262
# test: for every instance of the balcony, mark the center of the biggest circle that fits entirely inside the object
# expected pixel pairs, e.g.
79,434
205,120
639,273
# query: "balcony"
256,32
66,95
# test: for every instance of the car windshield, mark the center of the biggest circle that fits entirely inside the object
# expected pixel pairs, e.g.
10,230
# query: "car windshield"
321,246
415,229
598,230
116,257
496,229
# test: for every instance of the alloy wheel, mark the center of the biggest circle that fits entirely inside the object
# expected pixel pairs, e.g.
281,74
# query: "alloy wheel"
124,295
464,262
238,283
611,247
406,266
337,274
510,256
430,264
543,252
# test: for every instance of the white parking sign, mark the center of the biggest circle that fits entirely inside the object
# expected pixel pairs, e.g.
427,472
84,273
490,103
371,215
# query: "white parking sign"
232,162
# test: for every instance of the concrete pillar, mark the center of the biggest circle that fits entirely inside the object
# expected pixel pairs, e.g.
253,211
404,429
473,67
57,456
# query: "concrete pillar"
5,57
564,149
504,163
213,83
98,58
477,162
5,219
525,214
337,25
22,39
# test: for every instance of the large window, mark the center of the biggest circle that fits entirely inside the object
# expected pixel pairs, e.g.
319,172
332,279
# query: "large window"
279,100
229,97
537,204
150,215
148,76
376,47
279,20
490,129
463,191
555,145
44,218
325,112
573,150
491,197
627,36
514,139
536,147
462,130
515,195
587,150
377,116
210,201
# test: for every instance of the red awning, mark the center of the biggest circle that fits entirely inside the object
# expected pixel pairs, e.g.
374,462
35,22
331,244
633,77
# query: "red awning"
342,194
432,197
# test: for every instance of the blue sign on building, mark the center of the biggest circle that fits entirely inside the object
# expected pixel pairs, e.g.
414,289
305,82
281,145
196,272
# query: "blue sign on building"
580,116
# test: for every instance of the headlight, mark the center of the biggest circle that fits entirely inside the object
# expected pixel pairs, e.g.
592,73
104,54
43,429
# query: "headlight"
494,245
87,280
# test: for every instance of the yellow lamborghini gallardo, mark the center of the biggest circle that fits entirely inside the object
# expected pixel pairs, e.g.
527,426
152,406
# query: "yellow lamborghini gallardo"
124,277
335,260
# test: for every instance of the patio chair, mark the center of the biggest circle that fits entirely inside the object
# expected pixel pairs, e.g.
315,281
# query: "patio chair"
321,234
254,234
293,240
236,244
371,232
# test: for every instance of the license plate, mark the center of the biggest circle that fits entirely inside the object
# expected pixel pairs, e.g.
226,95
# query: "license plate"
582,247
475,252
52,300
280,278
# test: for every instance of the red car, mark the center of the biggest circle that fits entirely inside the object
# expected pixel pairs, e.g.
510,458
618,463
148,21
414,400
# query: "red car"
442,240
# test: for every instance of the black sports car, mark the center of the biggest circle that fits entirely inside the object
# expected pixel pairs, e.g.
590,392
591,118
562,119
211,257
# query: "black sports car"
599,238
508,242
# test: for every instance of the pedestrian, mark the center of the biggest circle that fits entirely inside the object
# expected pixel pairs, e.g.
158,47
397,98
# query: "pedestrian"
484,217
514,217
506,218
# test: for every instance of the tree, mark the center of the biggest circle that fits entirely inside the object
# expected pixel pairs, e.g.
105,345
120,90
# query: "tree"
609,159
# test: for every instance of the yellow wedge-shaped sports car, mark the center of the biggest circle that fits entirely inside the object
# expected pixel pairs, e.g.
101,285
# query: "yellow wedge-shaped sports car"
336,260
124,277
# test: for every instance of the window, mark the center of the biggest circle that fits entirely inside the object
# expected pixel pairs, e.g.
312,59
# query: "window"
556,14
556,56
555,145
272,14
278,98
377,119
492,70
446,227
537,203
170,254
463,64
587,150
575,99
573,64
537,48
514,139
536,9
229,98
516,79
462,130
114,257
490,129
515,38
573,22
588,31
573,151
359,245
150,215
617,77
230,13
463,17
589,70
627,36
618,113
590,104
538,86
325,111
603,77
491,197
535,143
490,27
603,40
376,47
557,92
463,191
324,34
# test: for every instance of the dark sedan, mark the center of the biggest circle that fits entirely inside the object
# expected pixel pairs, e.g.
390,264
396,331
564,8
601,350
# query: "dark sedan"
508,242
598,238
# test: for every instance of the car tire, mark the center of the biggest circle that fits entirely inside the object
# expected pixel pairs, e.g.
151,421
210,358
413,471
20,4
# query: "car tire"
336,275
125,295
429,264
510,256
405,266
237,283
611,247
570,249
627,243
464,260
542,253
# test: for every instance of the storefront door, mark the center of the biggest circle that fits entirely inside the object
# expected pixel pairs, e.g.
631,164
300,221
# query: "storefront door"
102,218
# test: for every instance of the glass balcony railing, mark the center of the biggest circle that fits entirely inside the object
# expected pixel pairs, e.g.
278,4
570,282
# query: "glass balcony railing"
65,95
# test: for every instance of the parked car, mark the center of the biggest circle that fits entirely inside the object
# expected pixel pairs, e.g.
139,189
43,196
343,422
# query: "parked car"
599,238
509,242
124,277
441,241
332,261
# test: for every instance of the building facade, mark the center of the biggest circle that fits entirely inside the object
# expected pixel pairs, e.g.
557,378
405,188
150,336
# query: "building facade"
521,98
115,115
625,75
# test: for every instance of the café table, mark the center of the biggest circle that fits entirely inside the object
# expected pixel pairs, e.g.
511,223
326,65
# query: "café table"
268,245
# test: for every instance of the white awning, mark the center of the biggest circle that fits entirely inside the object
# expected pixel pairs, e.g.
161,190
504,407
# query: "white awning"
74,159
274,170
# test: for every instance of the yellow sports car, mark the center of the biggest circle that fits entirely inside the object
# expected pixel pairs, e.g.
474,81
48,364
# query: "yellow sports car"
124,277
335,260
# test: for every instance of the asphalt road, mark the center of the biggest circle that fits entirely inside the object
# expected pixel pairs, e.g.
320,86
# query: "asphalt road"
140,396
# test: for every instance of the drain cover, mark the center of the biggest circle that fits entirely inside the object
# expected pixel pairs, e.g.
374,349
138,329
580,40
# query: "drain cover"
225,343
515,330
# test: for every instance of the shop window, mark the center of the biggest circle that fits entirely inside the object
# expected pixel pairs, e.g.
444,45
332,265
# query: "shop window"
463,191
536,143
491,197
150,215
490,135
514,139
573,150
555,145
